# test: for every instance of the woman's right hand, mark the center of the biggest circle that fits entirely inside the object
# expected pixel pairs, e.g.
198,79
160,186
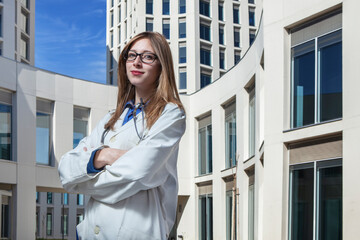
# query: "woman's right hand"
107,156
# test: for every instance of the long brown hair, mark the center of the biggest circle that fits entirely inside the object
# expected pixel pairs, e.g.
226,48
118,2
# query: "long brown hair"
165,90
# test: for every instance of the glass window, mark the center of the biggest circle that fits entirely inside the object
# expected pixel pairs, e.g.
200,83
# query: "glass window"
316,200
230,136
66,199
308,105
5,217
49,197
205,8
205,79
25,22
1,23
182,28
65,223
80,199
229,215
182,78
236,37
205,56
221,35
251,36
221,11
111,19
166,7
81,117
222,58
251,1
205,146
251,16
119,14
182,52
149,6
205,31
236,17
79,218
119,30
43,131
49,223
252,121
149,24
5,125
251,205
24,48
166,28
111,39
37,197
205,217
182,6
237,57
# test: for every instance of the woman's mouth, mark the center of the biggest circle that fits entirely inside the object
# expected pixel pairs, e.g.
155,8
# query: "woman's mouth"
136,73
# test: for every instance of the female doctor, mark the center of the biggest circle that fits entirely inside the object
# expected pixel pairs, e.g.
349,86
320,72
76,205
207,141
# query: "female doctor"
127,165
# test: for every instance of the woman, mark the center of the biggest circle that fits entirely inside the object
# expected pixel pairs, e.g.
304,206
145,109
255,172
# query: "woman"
128,164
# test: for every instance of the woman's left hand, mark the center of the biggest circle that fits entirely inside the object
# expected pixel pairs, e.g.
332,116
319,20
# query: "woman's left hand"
107,156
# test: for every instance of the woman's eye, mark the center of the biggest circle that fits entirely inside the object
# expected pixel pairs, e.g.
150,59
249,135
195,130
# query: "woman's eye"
131,55
148,56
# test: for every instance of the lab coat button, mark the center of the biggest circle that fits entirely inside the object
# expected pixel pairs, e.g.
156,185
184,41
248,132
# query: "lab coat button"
96,230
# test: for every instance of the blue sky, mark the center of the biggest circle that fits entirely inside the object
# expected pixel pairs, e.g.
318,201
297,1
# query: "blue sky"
70,38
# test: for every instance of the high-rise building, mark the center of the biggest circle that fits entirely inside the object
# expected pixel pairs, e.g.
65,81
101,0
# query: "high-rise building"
206,38
17,30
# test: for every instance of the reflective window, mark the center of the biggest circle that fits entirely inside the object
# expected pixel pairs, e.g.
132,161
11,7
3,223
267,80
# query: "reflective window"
251,205
221,11
316,200
237,57
49,223
49,198
252,121
205,31
66,199
230,136
5,125
80,199
149,24
149,6
166,7
222,59
230,215
182,52
111,19
310,106
205,146
182,6
43,131
6,216
251,16
166,28
206,217
205,56
236,37
221,35
236,16
251,36
205,8
81,117
205,79
182,28
182,78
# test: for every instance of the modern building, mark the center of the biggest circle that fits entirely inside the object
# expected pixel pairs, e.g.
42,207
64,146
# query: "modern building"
17,30
207,38
270,150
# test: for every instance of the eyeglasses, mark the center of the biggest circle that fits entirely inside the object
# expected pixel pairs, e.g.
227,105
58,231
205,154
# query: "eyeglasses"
145,57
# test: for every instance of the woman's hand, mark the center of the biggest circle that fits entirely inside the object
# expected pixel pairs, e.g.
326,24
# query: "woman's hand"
107,156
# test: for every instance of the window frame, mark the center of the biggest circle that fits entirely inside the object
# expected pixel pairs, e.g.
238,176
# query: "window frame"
317,94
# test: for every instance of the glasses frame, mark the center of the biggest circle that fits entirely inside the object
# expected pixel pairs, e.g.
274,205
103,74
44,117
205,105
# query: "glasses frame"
141,57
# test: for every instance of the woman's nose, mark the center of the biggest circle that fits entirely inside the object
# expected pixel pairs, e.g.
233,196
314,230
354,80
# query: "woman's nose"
137,60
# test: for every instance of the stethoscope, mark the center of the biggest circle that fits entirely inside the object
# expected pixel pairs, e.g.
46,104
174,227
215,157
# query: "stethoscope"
141,136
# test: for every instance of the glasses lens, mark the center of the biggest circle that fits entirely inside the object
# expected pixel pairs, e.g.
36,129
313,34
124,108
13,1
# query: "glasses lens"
148,57
131,56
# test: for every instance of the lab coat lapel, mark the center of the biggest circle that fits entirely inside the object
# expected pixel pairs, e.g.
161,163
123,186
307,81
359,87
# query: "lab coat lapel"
119,128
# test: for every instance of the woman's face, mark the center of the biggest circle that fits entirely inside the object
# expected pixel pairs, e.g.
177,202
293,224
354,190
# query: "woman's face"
142,73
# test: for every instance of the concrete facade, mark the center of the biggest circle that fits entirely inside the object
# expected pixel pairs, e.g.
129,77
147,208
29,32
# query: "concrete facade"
261,182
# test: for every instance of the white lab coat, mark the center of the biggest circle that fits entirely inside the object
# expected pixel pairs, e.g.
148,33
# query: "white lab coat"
136,197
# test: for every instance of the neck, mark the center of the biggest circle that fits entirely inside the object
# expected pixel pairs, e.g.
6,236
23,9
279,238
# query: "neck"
141,94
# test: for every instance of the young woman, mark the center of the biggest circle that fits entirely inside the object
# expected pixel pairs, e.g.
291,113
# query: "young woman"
128,163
